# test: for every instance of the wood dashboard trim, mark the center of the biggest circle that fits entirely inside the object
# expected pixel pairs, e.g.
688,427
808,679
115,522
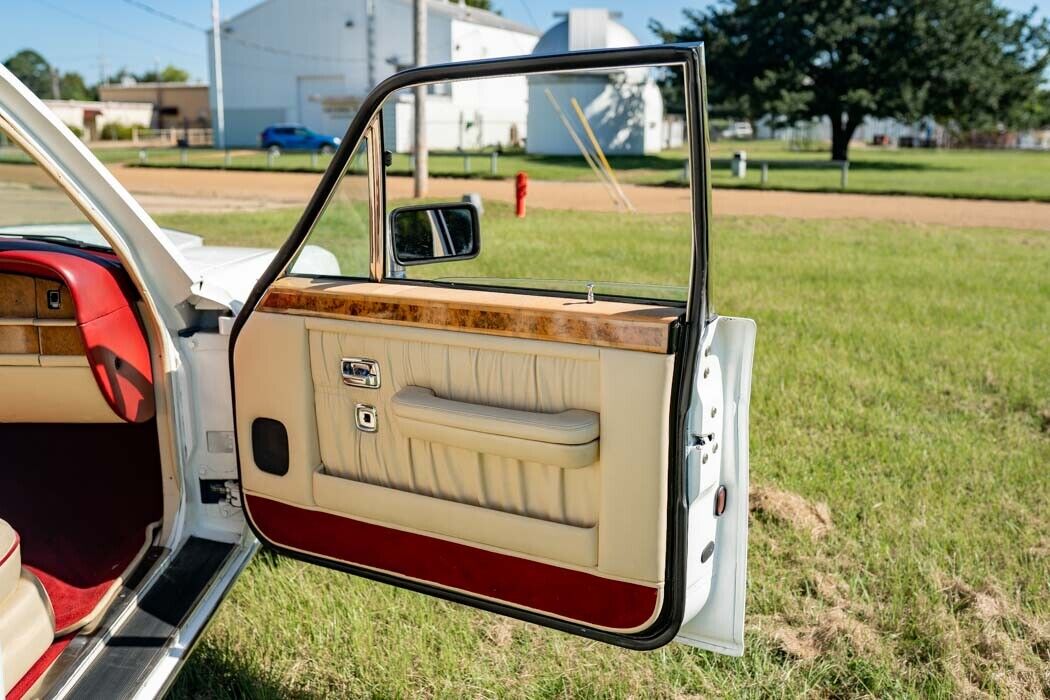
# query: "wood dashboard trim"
608,324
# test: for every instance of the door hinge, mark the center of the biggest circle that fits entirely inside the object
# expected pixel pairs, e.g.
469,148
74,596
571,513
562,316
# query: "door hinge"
225,492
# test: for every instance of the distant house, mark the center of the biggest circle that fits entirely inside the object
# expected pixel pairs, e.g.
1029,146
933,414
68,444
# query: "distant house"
175,105
624,107
90,118
313,61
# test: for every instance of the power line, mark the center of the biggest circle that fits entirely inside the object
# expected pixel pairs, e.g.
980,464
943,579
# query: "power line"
146,7
164,15
528,11
115,30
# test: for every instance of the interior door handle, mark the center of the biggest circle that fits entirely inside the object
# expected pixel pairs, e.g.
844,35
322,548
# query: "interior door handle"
360,372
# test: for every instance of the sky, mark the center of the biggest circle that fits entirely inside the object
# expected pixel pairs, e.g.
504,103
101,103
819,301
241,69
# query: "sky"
106,35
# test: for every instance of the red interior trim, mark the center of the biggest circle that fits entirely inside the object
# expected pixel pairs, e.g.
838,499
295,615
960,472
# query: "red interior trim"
11,551
114,340
568,593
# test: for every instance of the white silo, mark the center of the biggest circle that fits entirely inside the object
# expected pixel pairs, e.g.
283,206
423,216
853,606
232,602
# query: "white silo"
624,107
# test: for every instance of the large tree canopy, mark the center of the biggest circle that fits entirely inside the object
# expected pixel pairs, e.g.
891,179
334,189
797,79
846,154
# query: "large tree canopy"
964,62
33,70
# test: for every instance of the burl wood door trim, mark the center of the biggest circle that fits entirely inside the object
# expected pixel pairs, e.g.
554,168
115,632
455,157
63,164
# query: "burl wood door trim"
604,323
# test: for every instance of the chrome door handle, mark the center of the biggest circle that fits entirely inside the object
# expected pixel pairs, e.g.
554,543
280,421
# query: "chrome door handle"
360,372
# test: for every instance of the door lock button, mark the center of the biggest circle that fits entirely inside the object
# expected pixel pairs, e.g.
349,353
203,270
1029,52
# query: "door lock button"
366,417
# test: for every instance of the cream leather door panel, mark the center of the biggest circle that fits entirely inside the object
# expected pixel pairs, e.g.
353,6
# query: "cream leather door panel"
527,447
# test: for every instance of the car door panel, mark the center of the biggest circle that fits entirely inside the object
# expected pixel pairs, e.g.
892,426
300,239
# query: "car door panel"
506,486
536,454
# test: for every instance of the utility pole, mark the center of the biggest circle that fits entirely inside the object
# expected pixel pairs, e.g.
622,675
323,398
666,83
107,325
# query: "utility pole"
216,42
419,143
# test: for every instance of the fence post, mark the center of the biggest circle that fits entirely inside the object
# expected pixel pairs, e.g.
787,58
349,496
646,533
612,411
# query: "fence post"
313,160
143,156
226,159
685,171
495,163
466,163
412,162
269,159
134,134
845,174
184,156
765,174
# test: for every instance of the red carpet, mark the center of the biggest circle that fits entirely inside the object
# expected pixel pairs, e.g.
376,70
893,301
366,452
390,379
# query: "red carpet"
81,498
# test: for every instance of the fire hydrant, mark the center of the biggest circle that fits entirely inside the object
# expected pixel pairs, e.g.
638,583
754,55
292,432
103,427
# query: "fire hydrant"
521,188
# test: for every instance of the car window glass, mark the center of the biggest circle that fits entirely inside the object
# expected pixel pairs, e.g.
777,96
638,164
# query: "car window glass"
32,205
338,244
608,203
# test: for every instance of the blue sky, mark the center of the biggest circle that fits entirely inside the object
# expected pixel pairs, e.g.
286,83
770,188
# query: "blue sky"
85,36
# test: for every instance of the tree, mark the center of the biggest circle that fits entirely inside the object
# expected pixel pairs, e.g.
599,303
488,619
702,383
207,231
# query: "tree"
170,74
967,62
33,70
481,4
72,87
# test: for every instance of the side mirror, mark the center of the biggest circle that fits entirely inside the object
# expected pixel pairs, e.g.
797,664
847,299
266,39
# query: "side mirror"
435,233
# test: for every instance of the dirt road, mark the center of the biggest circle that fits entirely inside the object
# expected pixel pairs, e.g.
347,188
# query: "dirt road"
216,190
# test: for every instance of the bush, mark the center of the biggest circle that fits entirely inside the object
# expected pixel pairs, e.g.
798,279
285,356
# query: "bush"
115,131
77,131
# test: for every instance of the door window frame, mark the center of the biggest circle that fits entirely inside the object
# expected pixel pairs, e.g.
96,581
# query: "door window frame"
367,124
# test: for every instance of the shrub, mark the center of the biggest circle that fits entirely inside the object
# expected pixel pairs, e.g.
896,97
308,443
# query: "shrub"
115,131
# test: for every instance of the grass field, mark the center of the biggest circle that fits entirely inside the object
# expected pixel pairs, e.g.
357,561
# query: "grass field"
900,444
1008,175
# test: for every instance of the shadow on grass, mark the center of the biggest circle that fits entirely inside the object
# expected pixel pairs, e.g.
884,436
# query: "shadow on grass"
212,672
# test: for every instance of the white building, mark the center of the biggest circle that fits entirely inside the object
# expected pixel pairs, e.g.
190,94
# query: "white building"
624,107
90,118
312,62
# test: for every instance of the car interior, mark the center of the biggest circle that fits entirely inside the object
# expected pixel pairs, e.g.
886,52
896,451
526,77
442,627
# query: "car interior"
80,487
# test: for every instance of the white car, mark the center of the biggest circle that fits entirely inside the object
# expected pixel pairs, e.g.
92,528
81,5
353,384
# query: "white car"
738,130
576,459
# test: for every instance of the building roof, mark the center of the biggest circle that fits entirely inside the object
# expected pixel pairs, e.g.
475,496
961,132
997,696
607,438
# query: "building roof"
154,86
454,9
586,29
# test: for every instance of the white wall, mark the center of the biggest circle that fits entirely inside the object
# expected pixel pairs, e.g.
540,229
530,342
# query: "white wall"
71,112
325,65
626,116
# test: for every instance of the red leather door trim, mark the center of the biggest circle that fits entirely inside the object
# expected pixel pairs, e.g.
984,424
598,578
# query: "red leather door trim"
114,340
554,590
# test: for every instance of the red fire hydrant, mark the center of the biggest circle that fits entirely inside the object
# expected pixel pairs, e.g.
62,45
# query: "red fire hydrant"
521,188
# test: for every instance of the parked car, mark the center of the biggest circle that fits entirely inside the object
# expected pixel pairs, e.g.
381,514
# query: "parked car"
738,130
295,137
167,406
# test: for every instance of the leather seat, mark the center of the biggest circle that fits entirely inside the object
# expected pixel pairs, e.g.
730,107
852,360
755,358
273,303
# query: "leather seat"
27,623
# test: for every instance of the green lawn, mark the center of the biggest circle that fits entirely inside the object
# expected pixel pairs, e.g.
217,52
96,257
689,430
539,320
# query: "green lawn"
988,174
901,377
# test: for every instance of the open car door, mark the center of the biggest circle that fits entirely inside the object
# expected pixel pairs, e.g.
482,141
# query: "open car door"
577,463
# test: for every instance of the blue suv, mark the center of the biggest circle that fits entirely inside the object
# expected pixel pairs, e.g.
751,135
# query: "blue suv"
296,137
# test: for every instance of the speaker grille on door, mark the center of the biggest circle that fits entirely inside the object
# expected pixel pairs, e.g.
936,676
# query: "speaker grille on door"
270,445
